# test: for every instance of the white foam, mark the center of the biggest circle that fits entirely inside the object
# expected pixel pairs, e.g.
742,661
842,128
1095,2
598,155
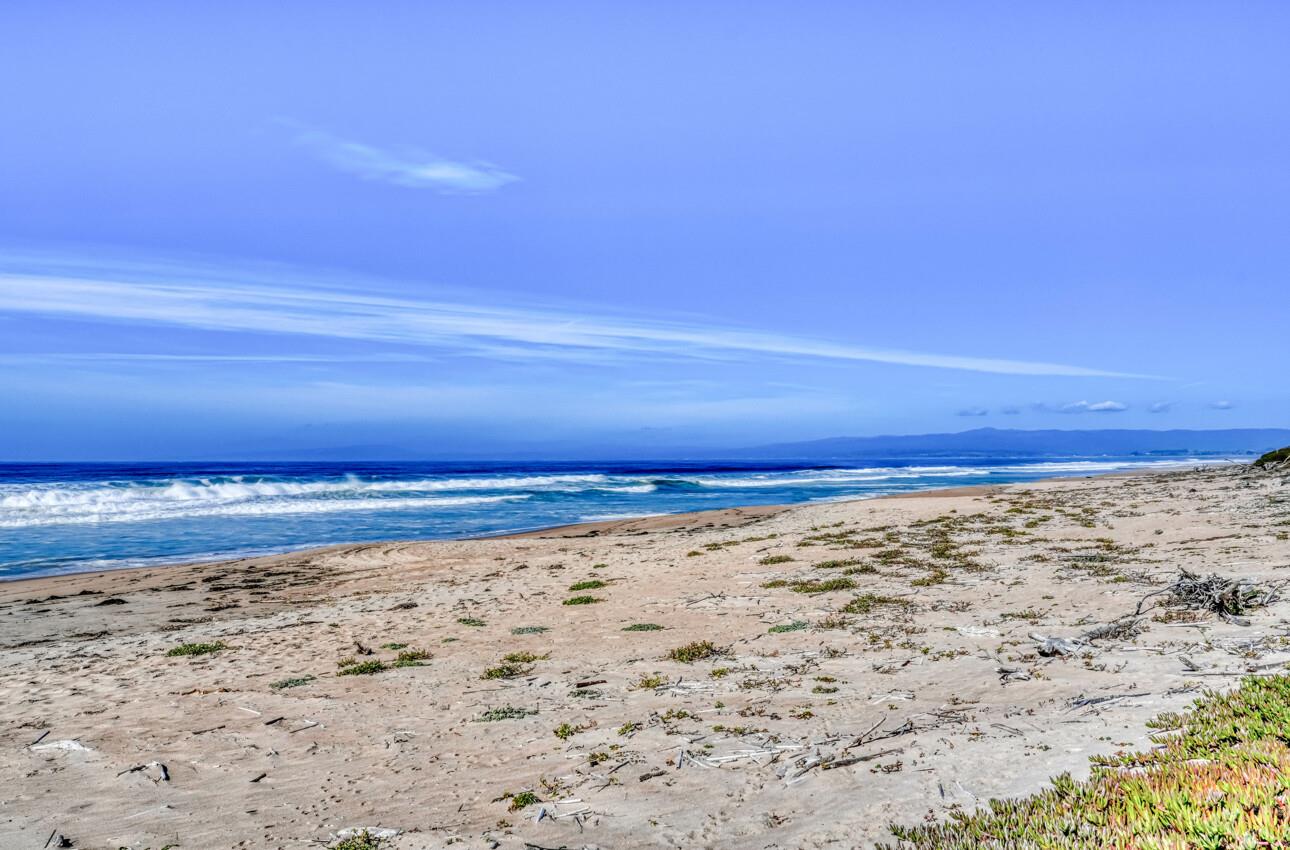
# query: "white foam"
34,505
148,511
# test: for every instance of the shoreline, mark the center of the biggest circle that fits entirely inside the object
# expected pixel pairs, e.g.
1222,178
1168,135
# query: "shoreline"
596,527
420,686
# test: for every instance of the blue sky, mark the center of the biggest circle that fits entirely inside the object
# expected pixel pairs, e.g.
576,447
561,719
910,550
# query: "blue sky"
472,227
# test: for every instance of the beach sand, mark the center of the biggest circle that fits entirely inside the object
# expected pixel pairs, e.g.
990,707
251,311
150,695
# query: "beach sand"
929,697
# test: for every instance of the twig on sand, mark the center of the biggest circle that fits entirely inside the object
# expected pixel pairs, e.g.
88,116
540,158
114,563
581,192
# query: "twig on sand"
163,771
1085,702
850,760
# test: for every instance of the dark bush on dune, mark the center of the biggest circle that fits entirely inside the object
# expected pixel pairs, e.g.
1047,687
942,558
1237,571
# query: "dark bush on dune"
1275,456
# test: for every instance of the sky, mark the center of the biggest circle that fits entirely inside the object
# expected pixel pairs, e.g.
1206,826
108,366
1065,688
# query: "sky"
234,229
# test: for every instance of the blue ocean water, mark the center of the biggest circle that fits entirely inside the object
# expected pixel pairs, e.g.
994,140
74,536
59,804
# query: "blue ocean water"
70,517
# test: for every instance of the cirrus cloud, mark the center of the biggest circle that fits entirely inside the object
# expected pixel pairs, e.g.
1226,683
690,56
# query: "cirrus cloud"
289,306
411,168
1084,406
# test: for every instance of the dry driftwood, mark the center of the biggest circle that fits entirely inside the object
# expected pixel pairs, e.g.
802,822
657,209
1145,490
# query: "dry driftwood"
1220,594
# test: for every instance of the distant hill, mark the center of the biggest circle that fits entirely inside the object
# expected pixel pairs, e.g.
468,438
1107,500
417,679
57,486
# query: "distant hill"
995,441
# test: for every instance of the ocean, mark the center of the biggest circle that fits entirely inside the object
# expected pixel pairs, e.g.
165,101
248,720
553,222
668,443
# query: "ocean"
57,518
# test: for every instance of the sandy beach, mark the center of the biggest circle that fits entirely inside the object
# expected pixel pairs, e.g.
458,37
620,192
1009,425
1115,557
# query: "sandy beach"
752,678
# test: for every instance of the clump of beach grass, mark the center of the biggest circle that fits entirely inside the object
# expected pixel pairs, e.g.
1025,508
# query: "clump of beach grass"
770,560
471,621
828,585
838,563
643,627
293,682
185,650
565,731
350,667
505,712
411,658
529,630
866,603
697,651
522,657
582,600
590,584
506,670
523,800
649,682
795,626
362,841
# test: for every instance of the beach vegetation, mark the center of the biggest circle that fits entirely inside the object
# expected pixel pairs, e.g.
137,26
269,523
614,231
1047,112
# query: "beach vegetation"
393,646
934,577
582,600
795,626
529,630
361,668
650,682
523,657
834,621
838,563
294,682
1218,777
565,731
697,651
770,560
1275,456
361,841
506,670
411,658
506,712
866,603
471,621
592,584
823,586
185,650
643,627
523,800
1030,615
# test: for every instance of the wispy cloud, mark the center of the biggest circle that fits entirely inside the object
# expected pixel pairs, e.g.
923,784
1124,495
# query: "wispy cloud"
973,411
208,302
1160,407
1222,405
412,168
1092,407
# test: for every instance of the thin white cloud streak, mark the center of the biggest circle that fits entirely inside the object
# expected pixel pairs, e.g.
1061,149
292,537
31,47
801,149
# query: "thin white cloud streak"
1093,407
455,327
131,357
412,169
